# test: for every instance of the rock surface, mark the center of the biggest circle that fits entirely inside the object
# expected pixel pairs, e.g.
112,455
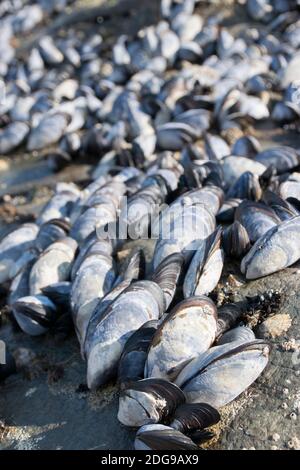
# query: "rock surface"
47,406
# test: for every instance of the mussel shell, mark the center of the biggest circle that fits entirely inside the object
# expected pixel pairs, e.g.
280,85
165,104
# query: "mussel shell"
227,211
140,302
34,314
285,113
191,417
92,218
188,330
256,218
148,401
48,131
222,373
240,333
284,158
20,284
246,187
12,136
134,268
198,119
289,189
216,147
13,246
92,244
59,293
94,278
205,268
246,146
167,275
175,237
50,232
53,265
228,315
132,362
234,167
283,209
160,437
174,136
60,204
278,248
235,240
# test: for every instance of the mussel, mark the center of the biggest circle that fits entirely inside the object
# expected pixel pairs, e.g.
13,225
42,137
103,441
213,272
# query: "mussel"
278,248
148,401
189,329
220,374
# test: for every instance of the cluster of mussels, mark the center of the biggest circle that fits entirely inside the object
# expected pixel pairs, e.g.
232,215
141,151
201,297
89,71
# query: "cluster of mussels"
167,113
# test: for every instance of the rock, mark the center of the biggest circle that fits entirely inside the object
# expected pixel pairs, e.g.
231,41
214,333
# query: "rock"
274,326
294,443
266,405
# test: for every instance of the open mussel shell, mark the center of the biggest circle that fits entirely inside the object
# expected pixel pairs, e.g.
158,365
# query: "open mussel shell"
59,293
191,417
148,401
160,437
34,314
206,267
189,329
277,249
222,373
132,362
235,240
167,275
